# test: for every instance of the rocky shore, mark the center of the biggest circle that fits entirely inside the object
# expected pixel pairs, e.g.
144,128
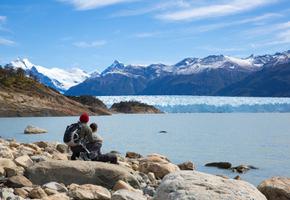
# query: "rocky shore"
42,170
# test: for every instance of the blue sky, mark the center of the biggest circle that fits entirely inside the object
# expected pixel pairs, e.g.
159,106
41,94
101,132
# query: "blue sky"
91,34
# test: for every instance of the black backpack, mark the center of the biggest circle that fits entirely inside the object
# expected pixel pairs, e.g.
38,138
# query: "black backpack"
71,135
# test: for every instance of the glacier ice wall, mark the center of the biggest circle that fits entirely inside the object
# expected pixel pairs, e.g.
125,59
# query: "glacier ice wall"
206,104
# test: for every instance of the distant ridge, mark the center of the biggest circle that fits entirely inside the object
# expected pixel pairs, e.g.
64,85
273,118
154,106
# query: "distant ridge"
211,75
191,76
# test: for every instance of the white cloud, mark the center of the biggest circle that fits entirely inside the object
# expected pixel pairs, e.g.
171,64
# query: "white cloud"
257,19
92,4
280,38
147,34
266,30
3,19
279,34
154,8
93,44
216,10
6,42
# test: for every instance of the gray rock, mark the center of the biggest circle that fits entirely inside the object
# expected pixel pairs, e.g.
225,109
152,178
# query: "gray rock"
188,165
157,164
34,130
38,158
200,186
59,196
149,191
8,165
5,152
7,193
128,195
89,192
55,186
80,172
37,193
134,155
243,168
62,148
221,165
276,188
18,182
41,144
24,161
21,192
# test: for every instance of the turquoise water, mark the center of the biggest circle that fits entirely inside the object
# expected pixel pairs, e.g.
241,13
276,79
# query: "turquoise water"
259,139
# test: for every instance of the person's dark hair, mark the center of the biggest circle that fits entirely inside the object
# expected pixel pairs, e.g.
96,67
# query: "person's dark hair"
93,126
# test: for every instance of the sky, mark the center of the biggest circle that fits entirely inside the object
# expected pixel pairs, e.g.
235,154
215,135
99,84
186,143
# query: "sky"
91,34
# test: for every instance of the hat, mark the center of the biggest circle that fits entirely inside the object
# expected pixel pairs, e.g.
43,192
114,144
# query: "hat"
84,118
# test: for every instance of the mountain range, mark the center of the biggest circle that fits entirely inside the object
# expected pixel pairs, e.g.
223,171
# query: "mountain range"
266,75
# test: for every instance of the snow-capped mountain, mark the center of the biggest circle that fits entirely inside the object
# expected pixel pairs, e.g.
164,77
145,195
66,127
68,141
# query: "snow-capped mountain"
56,78
194,76
198,65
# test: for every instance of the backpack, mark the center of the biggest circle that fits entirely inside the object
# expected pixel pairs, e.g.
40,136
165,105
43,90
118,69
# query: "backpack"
71,135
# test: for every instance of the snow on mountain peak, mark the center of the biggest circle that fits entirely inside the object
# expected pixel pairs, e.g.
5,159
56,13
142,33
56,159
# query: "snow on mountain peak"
61,79
186,62
115,67
245,63
23,63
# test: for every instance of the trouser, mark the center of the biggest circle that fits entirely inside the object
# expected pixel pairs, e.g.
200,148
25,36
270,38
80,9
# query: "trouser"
94,149
95,153
108,157
76,150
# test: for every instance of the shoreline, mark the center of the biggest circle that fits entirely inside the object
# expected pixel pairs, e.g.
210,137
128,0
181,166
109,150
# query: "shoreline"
146,176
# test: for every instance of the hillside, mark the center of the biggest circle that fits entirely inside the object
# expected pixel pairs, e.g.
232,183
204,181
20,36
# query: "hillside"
23,96
271,81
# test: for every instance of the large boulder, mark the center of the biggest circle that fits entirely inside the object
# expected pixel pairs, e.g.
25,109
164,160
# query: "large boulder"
276,188
80,172
34,130
157,164
199,186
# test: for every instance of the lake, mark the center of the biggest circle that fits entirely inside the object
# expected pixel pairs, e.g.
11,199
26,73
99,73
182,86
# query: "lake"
259,139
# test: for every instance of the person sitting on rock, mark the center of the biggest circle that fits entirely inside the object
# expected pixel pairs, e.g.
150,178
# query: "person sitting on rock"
95,147
85,135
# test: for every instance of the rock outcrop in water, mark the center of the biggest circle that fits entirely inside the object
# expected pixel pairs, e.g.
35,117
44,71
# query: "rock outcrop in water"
34,130
133,107
94,104
42,170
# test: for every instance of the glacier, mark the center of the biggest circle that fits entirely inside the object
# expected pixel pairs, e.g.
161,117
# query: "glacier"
206,104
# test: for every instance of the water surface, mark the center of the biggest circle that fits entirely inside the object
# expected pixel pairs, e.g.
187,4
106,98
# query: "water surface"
259,139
